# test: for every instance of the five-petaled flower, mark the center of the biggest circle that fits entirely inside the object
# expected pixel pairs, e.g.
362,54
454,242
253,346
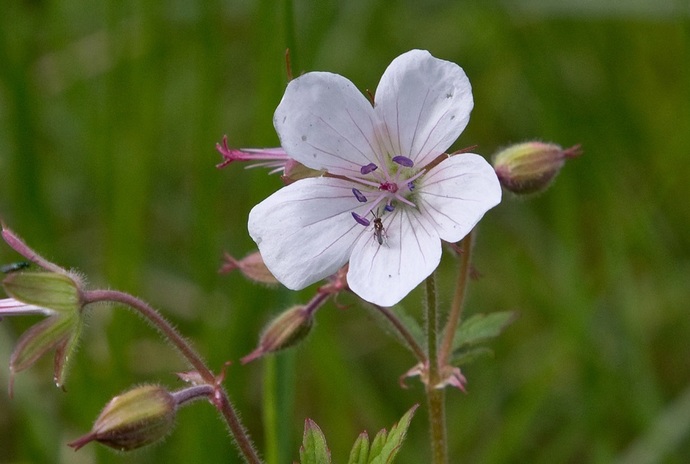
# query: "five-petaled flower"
386,201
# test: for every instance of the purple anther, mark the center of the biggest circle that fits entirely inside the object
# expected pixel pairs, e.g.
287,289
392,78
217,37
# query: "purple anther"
410,185
389,207
371,167
403,161
362,220
359,196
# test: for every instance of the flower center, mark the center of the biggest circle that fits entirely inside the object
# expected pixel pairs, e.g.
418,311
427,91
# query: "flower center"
389,186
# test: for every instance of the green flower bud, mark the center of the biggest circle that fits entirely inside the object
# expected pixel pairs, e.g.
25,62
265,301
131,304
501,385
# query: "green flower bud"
284,331
136,418
530,167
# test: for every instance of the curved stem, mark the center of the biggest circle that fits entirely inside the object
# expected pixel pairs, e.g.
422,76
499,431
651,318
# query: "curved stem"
435,397
219,398
458,300
158,322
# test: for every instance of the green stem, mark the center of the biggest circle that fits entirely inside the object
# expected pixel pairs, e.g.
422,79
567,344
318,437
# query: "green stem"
458,300
435,397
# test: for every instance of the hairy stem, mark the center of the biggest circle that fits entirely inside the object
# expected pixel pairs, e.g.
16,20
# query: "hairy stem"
219,398
435,397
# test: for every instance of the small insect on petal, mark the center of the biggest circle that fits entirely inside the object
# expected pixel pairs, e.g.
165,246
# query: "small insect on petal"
379,230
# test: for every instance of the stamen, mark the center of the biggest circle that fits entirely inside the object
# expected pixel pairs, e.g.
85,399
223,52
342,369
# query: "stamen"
389,207
410,185
359,196
403,161
361,220
371,167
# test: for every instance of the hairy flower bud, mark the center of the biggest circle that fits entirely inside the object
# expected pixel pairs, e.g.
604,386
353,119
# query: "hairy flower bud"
530,167
284,331
136,418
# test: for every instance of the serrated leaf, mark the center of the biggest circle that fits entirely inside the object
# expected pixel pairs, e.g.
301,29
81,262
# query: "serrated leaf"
360,450
314,449
482,327
388,443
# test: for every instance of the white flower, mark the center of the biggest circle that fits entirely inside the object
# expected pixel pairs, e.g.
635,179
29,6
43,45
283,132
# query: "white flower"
381,206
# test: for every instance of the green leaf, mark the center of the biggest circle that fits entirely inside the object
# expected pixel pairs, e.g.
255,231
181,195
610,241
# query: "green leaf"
387,444
466,356
482,327
407,320
313,449
360,450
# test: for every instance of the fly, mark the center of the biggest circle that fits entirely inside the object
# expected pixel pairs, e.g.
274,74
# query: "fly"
379,230
14,267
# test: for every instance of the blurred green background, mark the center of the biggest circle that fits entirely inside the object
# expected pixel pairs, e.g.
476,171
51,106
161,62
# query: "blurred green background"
109,112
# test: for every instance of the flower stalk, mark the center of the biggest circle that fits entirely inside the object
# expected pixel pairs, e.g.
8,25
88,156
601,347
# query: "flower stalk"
435,396
458,300
219,398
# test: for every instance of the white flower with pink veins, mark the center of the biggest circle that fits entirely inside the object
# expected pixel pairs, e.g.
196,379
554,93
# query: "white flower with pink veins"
385,202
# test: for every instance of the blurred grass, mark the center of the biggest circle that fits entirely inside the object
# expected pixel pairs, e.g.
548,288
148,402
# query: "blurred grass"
109,112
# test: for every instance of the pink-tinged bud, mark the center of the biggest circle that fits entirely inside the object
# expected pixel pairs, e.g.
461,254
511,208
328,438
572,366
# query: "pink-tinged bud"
252,266
286,330
530,167
136,418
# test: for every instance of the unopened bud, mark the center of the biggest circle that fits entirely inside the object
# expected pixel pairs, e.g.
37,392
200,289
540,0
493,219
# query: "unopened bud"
284,331
251,266
530,167
136,418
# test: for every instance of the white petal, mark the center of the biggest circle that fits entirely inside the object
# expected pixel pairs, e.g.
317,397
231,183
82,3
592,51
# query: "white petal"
305,231
385,274
12,307
455,194
425,104
324,122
